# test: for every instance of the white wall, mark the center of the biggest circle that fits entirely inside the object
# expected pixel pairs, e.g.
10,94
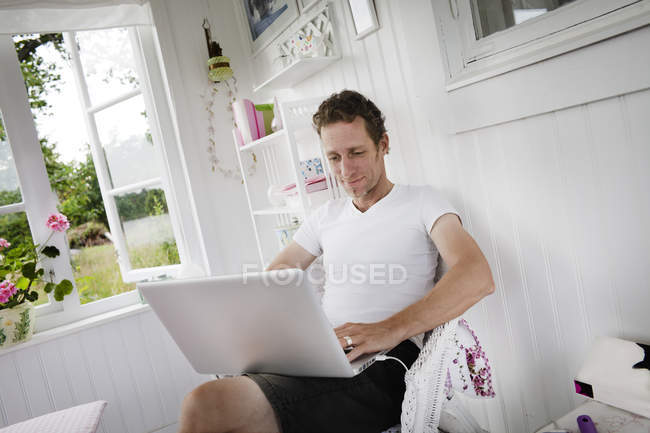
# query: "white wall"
220,201
549,168
131,362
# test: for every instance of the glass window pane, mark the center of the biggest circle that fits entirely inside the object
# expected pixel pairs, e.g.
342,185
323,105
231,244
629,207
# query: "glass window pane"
126,140
9,187
491,16
96,271
147,227
108,63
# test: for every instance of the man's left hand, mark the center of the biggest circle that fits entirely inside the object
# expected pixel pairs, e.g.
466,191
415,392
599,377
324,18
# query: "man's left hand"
367,337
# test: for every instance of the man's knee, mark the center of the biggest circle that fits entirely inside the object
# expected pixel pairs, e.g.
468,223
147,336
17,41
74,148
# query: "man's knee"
203,410
226,405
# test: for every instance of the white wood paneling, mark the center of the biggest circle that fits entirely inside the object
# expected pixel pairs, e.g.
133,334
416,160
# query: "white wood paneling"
33,382
126,362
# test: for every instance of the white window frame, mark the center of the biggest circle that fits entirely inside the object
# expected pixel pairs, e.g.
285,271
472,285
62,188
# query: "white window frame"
39,201
101,164
574,25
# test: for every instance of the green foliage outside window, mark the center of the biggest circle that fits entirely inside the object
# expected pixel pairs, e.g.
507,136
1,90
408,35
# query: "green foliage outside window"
135,205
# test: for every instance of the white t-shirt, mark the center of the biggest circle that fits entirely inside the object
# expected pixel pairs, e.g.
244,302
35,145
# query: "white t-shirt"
376,262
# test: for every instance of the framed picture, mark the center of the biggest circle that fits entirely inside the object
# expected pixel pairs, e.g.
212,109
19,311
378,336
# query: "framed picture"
266,19
364,17
303,5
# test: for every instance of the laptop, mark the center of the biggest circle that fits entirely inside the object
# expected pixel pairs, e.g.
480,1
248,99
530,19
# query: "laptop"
264,322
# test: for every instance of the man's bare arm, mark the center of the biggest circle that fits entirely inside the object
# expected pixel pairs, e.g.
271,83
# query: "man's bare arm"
467,281
291,257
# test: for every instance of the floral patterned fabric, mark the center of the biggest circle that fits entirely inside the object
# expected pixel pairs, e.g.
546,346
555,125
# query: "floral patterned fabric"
470,371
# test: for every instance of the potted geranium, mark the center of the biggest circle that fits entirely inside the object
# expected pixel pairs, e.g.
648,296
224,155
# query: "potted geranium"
19,274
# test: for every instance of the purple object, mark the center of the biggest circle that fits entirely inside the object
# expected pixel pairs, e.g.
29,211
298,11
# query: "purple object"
586,425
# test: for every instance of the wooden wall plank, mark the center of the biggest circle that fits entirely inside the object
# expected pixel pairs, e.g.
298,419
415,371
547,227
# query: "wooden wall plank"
123,378
403,132
30,374
602,302
500,333
165,375
116,413
141,367
12,393
634,291
579,201
82,384
541,178
55,374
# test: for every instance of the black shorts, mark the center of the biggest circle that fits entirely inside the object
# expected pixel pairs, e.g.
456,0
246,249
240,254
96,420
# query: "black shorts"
369,402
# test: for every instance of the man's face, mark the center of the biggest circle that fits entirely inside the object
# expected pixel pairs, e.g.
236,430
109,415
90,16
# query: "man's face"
354,158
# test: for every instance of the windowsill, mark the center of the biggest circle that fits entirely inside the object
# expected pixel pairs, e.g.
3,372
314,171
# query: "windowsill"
73,328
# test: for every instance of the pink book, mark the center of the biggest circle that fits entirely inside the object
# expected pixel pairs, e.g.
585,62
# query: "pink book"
261,129
251,115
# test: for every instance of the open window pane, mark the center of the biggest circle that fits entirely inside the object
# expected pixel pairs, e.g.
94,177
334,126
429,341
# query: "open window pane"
126,141
147,227
71,170
491,16
131,168
108,63
9,187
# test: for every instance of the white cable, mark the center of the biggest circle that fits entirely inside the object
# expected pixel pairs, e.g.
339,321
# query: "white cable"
384,358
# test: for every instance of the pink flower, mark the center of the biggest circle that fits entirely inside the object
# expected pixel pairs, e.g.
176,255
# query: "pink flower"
7,290
4,243
58,222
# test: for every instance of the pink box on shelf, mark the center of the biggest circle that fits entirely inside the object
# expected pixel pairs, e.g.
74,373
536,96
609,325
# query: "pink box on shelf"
238,136
317,183
246,119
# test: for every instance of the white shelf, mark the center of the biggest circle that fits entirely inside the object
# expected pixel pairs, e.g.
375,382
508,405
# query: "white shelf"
264,140
278,211
296,72
280,160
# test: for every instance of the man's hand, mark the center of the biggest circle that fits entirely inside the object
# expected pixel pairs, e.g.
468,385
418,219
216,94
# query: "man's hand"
368,337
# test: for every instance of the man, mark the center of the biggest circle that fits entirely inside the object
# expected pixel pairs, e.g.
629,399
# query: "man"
380,228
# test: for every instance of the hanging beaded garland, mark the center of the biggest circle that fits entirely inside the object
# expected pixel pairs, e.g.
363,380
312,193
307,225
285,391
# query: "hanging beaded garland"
210,98
219,71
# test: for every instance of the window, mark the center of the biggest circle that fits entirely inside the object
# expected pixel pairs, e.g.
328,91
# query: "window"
491,16
126,156
484,38
115,77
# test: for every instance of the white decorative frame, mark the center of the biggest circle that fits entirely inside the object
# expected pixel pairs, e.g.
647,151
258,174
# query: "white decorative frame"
363,14
273,30
318,23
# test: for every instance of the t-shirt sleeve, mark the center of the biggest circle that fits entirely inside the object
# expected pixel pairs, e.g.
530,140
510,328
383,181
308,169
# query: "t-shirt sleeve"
433,206
308,235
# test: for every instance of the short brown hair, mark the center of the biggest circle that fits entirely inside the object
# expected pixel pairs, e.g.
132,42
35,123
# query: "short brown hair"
345,106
